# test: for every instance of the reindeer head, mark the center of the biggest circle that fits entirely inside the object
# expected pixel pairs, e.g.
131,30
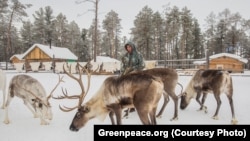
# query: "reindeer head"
42,108
186,97
184,100
80,119
187,94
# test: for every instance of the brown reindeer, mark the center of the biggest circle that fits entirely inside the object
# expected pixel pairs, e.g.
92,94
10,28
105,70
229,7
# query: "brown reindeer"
33,94
209,81
142,91
169,77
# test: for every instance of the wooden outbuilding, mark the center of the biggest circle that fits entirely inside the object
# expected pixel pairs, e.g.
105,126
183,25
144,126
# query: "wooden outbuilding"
224,61
17,58
39,54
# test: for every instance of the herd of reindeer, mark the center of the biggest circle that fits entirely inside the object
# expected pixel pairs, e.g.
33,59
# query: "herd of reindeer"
140,90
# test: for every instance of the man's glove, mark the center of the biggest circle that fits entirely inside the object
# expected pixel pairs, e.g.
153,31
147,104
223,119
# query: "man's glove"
127,70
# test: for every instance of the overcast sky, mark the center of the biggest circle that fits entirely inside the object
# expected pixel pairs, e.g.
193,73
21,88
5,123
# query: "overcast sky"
128,9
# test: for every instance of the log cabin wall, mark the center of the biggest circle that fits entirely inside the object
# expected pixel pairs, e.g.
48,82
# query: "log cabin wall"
227,63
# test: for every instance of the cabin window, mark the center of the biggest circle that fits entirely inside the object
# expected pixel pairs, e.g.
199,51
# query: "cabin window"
219,67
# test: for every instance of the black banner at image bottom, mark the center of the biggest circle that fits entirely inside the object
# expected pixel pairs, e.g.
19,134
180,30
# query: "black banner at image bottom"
173,132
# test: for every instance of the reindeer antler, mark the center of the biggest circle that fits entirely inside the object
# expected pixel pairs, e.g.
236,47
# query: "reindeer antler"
83,93
60,79
181,90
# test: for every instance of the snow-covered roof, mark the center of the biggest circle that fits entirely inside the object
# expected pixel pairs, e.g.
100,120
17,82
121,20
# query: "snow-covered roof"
229,55
221,55
19,56
57,52
105,59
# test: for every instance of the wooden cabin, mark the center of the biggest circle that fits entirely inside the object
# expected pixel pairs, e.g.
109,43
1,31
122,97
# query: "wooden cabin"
224,61
39,54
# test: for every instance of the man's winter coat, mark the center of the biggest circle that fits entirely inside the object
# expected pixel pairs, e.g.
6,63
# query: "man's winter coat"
132,61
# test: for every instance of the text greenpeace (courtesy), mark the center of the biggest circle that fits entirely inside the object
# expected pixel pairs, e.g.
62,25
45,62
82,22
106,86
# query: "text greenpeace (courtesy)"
177,132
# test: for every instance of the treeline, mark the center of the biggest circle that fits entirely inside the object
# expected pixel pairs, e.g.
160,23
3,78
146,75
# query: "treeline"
171,34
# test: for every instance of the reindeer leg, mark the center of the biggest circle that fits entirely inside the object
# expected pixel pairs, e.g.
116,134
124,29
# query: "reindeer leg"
115,109
152,116
218,100
3,99
111,116
118,113
230,99
198,100
143,115
175,99
203,101
142,112
6,118
166,100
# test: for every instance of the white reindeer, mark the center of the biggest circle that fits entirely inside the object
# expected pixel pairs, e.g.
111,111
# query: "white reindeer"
3,85
33,94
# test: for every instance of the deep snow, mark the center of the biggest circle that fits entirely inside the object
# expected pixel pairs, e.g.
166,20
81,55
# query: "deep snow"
24,127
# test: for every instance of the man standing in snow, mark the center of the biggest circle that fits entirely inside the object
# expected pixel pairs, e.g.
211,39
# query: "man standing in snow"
132,61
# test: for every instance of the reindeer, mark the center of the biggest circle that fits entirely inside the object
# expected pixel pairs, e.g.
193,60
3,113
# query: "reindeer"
142,91
33,94
3,85
209,81
169,77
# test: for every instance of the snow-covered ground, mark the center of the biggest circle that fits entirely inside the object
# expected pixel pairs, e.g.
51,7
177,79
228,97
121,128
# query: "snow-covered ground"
24,127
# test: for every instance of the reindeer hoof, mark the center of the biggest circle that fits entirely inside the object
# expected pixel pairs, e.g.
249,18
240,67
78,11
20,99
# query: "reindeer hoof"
158,116
6,121
126,117
44,123
203,108
215,117
174,119
206,111
234,121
